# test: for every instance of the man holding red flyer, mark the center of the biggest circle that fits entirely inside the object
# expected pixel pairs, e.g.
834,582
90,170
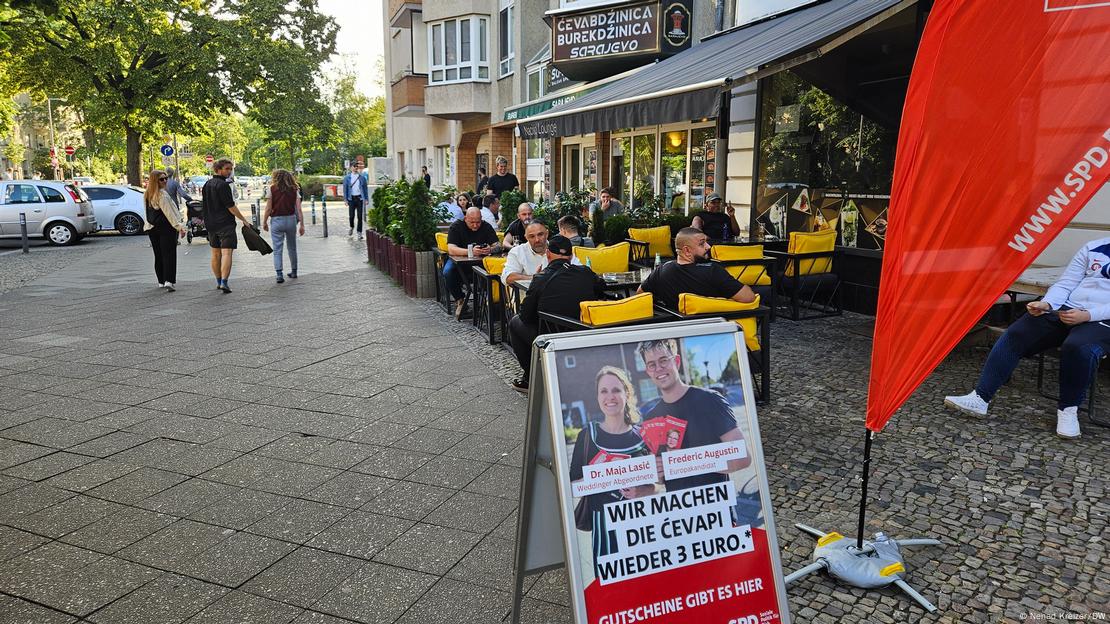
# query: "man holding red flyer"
706,414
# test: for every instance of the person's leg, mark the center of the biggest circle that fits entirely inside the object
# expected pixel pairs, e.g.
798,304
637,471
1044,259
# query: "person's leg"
1029,335
361,207
451,278
1079,356
216,263
169,257
521,336
156,247
277,237
351,216
291,243
225,263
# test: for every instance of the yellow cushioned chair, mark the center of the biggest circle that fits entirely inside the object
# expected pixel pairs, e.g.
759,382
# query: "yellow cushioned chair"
494,266
689,303
611,259
811,242
657,238
608,312
441,241
752,275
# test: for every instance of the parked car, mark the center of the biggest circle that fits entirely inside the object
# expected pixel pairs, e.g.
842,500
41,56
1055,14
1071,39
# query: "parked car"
118,207
58,211
84,180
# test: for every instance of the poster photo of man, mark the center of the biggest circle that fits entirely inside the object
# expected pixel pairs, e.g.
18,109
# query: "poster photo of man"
661,471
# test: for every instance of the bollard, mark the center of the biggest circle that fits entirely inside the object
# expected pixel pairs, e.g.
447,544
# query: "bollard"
324,208
313,210
255,213
23,232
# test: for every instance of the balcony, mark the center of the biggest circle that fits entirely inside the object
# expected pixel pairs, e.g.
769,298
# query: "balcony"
408,95
458,100
400,12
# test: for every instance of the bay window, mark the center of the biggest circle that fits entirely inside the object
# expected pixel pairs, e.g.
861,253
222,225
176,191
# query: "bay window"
459,50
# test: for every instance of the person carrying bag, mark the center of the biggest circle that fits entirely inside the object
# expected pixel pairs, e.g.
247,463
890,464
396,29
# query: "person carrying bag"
164,227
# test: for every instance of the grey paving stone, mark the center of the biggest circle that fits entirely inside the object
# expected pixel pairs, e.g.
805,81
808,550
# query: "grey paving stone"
350,489
9,484
244,470
235,560
340,454
315,617
295,479
381,432
138,485
152,453
429,440
13,453
408,500
498,480
168,599
196,459
450,601
119,530
14,542
303,576
109,444
47,466
450,472
298,521
237,607
361,534
539,612
91,475
376,594
28,500
124,418
294,447
483,448
489,564
428,548
177,546
187,497
181,427
17,611
393,463
475,512
247,438
68,515
240,509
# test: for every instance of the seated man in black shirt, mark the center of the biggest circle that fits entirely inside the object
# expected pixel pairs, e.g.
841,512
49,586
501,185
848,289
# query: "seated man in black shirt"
693,272
708,416
717,225
514,234
558,289
472,230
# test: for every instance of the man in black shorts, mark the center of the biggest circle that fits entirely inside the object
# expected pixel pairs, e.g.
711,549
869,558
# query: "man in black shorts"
220,214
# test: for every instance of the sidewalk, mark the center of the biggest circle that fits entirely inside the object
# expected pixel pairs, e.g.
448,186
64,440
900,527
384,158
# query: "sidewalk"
329,450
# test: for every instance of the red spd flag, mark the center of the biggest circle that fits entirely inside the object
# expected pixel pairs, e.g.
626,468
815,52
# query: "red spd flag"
1005,136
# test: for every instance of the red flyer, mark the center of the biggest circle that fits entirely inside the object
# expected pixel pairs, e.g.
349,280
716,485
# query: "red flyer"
666,431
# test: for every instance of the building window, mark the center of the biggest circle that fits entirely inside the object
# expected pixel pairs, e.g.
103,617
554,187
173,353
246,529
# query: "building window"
459,50
442,169
505,35
535,84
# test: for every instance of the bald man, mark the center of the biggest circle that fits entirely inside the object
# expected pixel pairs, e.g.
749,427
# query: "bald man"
524,261
514,234
472,230
693,272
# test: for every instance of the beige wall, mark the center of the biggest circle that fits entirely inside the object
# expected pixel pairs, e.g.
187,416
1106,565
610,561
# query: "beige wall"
741,152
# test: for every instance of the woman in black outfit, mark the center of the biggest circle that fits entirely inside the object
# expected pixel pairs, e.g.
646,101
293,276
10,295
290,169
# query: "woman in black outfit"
164,227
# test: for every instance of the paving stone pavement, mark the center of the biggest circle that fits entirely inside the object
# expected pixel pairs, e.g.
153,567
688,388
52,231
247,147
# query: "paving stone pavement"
329,450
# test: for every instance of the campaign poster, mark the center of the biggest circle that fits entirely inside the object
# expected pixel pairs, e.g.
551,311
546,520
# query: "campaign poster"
667,517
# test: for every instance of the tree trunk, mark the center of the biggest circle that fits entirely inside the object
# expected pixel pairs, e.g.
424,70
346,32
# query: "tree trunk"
134,155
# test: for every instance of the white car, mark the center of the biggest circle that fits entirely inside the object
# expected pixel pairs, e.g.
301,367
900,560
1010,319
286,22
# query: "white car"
58,211
83,180
118,207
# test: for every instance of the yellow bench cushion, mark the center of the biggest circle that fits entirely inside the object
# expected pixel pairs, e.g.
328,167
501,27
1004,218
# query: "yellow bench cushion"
689,303
811,242
752,275
607,312
441,241
611,259
494,266
657,238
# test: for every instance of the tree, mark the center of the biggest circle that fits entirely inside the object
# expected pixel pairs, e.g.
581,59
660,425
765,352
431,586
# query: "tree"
148,66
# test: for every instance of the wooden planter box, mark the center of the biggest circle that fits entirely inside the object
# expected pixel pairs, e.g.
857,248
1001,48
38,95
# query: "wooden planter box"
373,239
424,274
384,254
408,270
395,263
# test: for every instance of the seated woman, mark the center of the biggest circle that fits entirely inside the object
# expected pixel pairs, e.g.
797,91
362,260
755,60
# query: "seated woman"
1070,317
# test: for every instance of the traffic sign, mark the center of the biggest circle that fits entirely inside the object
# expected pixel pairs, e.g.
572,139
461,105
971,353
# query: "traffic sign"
167,160
70,150
167,150
186,152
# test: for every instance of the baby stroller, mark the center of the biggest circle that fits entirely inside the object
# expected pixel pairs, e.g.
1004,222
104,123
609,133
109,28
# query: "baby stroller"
194,220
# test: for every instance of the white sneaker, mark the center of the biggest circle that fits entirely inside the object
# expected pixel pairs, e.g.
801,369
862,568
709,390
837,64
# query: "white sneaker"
970,403
1067,422
161,285
169,287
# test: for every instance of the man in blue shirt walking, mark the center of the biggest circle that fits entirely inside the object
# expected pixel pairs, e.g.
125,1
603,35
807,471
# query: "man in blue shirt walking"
356,185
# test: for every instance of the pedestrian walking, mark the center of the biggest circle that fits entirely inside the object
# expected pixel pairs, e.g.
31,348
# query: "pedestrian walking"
355,185
220,213
427,177
8,174
175,189
283,208
164,227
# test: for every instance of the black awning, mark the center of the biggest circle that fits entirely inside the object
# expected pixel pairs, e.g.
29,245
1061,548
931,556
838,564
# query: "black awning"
686,87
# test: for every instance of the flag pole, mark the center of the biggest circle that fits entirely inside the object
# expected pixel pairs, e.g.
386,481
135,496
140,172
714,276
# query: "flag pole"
863,489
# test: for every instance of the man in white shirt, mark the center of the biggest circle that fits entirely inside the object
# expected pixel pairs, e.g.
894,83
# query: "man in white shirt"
1071,316
491,210
524,261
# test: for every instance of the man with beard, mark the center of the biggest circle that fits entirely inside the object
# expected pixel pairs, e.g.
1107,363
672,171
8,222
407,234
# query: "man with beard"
514,234
707,414
693,272
524,261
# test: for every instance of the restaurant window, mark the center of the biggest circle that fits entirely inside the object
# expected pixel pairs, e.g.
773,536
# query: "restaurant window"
533,184
643,169
459,50
621,167
672,169
699,145
505,37
535,84
822,163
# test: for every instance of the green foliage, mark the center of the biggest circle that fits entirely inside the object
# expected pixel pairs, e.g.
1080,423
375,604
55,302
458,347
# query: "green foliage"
13,151
616,229
418,224
510,201
677,221
389,202
572,203
597,223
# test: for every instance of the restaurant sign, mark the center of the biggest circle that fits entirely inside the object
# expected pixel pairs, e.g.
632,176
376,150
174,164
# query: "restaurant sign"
600,42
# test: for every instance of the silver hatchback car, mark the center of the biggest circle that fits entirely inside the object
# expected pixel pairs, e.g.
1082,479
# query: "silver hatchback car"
57,211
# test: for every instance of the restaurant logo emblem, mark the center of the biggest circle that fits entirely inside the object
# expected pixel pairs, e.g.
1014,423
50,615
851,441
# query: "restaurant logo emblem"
677,25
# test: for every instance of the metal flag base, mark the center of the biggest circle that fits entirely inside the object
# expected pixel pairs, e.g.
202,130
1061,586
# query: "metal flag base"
878,564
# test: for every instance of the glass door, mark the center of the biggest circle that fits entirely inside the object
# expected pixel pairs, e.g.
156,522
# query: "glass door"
572,168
